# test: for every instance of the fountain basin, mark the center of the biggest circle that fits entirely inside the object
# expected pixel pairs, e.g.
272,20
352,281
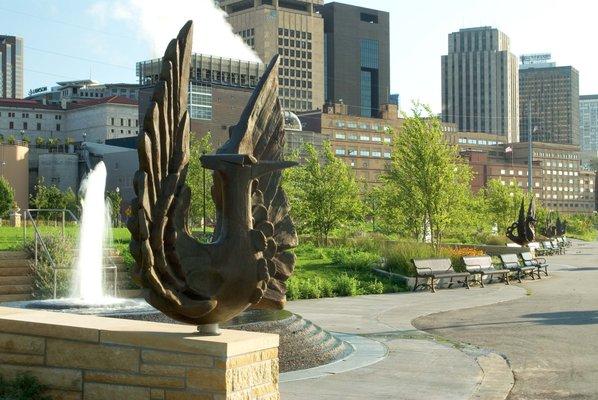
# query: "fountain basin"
302,343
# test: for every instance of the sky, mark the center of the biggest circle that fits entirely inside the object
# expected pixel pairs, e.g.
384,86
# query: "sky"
103,39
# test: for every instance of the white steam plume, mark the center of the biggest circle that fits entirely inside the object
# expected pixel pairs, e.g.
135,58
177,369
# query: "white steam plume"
159,21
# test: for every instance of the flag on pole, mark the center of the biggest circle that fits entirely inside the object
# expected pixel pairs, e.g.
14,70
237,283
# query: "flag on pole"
508,149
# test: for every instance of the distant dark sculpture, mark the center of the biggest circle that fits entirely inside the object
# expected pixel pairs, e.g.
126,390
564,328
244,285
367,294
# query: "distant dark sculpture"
523,231
554,228
247,262
561,227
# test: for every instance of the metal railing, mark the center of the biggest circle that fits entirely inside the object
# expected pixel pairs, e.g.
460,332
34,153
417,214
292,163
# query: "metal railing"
39,240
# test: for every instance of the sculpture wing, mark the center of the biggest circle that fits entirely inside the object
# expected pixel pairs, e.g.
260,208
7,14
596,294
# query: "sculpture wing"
159,219
260,133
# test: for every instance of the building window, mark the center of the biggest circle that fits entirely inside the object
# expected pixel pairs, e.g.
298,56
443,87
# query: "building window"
340,152
200,101
58,127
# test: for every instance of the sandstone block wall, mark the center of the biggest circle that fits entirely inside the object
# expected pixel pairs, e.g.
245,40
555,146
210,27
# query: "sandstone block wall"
92,358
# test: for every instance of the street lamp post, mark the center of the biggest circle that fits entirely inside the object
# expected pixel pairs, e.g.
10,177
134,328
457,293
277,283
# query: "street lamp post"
203,170
529,149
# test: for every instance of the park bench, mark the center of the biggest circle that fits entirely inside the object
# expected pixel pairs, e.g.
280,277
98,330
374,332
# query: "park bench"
530,261
483,266
433,269
537,249
548,249
561,243
556,247
511,262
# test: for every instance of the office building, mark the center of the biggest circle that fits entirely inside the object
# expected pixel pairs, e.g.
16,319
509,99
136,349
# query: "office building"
84,120
480,84
559,182
294,30
356,57
549,95
218,91
84,89
11,67
588,122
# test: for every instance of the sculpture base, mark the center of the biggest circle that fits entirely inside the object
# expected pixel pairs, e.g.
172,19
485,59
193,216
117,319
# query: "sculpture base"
209,330
108,358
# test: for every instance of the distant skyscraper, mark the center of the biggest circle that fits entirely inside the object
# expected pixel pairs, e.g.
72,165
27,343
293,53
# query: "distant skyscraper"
553,94
395,99
588,122
357,57
11,67
480,83
295,31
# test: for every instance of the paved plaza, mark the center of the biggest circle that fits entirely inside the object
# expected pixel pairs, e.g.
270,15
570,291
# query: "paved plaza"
534,340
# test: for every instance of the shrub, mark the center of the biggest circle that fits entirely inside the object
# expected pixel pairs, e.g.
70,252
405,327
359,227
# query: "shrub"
496,240
398,258
7,197
353,259
311,288
375,287
293,289
346,285
62,252
456,255
40,141
23,387
11,139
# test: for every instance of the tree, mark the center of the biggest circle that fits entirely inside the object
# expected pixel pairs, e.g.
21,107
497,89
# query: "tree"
195,180
115,200
503,200
7,197
51,197
427,181
323,193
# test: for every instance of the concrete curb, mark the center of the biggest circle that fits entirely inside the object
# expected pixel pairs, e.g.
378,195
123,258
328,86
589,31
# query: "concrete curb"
497,379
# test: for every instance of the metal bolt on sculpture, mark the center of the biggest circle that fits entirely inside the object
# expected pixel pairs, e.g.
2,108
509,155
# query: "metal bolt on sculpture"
523,231
248,260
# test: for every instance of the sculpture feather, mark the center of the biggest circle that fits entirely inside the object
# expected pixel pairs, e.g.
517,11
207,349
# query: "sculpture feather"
248,258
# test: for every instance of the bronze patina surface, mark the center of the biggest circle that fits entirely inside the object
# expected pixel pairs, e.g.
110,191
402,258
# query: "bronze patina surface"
248,260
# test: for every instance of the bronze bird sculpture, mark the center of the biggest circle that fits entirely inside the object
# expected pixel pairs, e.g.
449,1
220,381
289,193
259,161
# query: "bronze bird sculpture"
248,260
523,231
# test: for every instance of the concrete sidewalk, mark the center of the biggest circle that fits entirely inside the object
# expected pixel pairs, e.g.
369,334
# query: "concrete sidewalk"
418,366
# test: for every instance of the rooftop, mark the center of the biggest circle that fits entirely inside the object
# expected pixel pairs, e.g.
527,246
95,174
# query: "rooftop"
32,104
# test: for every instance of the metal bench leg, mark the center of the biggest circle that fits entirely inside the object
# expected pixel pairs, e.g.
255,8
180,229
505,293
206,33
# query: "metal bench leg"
416,285
466,282
482,280
519,276
546,270
432,286
505,279
451,283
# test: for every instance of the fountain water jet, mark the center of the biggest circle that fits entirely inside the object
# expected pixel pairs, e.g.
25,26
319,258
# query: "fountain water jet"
95,217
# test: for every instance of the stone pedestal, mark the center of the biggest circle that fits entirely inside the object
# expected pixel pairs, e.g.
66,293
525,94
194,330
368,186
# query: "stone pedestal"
15,219
92,358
